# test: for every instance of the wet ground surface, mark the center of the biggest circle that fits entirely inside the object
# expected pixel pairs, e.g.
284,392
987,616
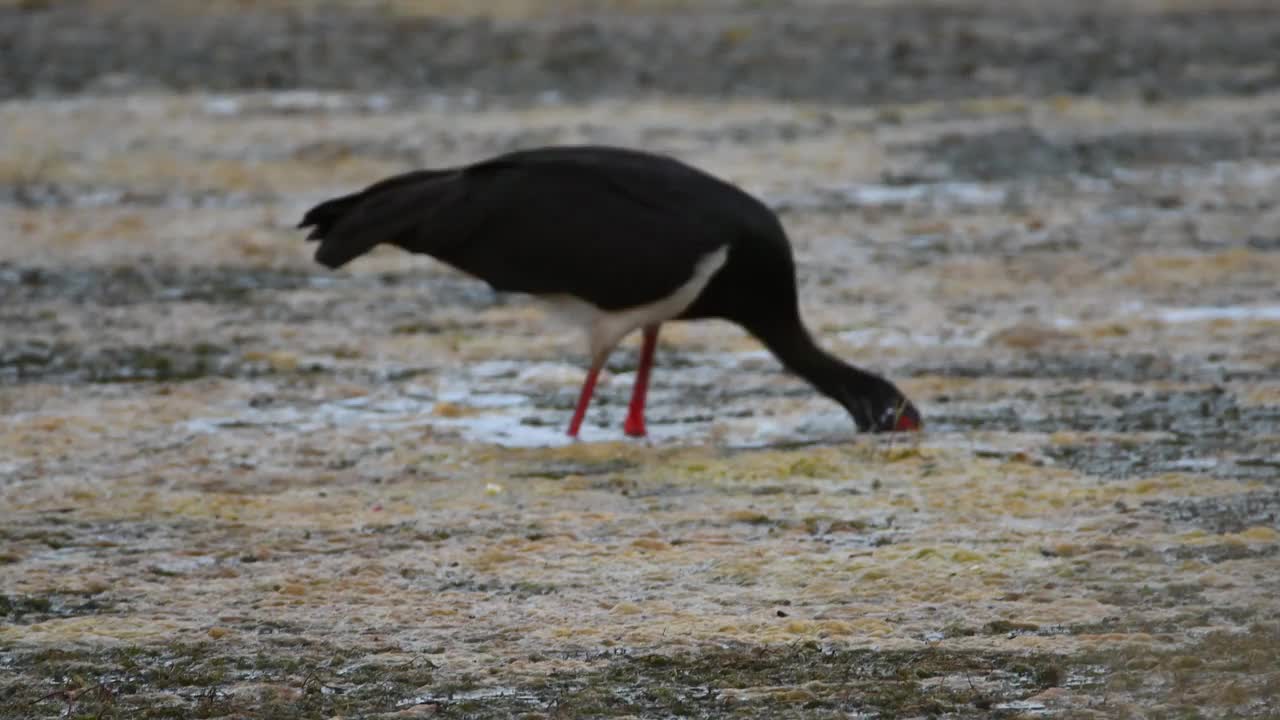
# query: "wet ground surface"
236,484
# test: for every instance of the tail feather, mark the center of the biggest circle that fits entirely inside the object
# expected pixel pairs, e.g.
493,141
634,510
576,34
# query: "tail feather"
322,217
349,226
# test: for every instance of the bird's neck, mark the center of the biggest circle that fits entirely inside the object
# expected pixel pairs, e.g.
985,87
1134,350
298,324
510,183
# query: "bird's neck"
789,340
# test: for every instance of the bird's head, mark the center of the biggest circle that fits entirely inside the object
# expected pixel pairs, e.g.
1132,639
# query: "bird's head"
878,406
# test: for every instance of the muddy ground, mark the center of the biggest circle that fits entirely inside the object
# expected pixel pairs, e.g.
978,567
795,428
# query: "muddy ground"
234,484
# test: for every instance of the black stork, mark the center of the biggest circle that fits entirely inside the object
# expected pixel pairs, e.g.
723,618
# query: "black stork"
618,239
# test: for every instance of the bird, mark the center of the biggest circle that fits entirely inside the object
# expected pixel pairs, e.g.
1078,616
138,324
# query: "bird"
618,240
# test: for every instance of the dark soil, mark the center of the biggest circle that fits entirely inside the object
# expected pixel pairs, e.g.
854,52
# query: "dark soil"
795,52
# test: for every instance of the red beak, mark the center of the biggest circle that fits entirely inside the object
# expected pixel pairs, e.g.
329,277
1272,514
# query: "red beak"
908,422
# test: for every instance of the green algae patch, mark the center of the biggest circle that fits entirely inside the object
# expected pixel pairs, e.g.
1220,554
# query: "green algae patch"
38,361
203,681
1236,670
290,677
805,680
290,680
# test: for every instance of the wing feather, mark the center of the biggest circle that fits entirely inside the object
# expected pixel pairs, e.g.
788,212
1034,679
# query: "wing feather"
615,229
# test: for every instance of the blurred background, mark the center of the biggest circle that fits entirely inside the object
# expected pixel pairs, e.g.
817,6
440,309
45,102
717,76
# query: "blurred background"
856,52
235,483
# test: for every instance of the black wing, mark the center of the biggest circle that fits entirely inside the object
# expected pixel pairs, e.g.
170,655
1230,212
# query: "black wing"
615,227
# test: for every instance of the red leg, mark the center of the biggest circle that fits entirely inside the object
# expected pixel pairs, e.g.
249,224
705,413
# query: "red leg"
584,400
635,415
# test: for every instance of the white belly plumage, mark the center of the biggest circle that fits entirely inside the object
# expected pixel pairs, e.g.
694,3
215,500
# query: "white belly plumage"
606,328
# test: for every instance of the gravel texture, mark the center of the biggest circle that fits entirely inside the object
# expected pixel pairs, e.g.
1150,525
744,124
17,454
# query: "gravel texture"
234,484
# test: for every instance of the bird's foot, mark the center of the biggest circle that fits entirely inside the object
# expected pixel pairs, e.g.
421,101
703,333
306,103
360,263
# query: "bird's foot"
634,427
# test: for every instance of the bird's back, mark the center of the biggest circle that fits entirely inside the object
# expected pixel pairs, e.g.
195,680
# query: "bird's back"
615,227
